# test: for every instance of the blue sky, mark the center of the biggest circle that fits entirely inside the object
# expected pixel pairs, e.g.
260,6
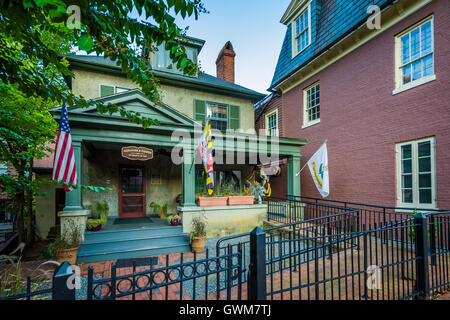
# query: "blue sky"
254,29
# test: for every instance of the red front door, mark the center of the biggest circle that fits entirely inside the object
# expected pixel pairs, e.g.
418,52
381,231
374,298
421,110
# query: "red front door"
131,191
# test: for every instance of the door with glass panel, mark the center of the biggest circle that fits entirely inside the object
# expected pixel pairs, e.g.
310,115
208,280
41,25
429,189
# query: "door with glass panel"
131,191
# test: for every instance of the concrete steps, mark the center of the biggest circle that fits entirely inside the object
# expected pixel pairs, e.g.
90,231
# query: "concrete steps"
132,242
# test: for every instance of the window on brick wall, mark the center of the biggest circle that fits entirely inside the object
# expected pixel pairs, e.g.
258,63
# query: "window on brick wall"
415,56
272,123
301,31
416,174
311,105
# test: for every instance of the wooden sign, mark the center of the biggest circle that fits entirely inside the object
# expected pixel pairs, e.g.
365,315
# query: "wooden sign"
137,153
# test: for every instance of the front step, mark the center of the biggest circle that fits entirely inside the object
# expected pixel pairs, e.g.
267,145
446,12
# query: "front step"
132,242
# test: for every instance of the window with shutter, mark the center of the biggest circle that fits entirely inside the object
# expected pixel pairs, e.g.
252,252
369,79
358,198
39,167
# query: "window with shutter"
200,111
106,90
234,117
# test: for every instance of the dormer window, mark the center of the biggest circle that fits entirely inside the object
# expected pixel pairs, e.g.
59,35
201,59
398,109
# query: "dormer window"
301,31
163,62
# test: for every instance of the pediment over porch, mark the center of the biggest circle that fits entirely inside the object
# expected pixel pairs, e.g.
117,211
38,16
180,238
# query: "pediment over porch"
136,101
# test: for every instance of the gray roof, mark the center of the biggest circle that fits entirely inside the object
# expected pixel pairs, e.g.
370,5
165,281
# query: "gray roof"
203,80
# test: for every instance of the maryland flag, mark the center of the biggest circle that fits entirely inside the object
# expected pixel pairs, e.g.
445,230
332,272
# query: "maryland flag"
205,148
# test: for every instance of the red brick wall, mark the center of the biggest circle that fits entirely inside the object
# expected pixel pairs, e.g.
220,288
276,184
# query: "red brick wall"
278,184
225,63
274,103
363,121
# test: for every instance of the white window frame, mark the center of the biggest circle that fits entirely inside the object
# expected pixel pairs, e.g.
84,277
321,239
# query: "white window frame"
415,174
110,85
191,52
295,52
270,114
399,86
306,122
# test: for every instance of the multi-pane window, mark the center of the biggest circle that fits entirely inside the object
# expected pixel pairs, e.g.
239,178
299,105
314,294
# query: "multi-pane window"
302,31
164,62
217,115
302,36
416,173
272,124
312,104
416,54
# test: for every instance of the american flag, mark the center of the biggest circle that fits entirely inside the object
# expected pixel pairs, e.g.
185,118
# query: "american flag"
64,161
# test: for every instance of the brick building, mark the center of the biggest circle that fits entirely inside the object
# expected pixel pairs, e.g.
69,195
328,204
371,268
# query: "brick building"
379,95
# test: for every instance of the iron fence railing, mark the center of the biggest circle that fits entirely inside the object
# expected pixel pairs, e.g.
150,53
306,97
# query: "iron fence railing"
312,218
327,257
54,289
184,279
439,252
369,213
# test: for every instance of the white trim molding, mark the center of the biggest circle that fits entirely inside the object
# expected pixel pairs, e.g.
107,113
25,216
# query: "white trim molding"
414,161
267,116
422,54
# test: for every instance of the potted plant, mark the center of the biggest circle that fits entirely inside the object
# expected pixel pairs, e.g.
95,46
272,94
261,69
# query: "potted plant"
163,211
214,200
160,210
65,249
245,197
102,209
173,220
198,234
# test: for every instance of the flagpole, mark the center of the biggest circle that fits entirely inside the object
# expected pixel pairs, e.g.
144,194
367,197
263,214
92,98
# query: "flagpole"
298,173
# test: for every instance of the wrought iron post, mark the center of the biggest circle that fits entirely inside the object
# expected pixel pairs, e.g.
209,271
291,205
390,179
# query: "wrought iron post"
433,230
257,266
63,287
90,284
421,246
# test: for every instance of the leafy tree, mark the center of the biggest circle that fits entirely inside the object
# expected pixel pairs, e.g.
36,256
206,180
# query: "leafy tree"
34,37
105,28
26,127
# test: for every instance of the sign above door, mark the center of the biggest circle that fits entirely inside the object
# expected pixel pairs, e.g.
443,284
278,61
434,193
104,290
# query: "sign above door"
137,153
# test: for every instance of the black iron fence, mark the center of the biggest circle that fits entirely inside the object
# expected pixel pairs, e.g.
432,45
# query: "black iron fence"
439,252
192,279
60,287
369,214
327,257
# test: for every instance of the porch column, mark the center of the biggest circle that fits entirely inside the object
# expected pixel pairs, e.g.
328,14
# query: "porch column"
188,178
73,198
73,217
293,181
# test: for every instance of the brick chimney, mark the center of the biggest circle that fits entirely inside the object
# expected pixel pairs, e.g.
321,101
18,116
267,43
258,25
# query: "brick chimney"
225,63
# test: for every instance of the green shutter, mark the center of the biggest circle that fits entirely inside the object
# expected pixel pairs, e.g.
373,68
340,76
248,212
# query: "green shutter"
106,90
200,111
234,117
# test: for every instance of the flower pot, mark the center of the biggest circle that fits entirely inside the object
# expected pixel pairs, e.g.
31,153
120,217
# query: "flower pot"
69,255
175,222
212,201
198,244
240,200
96,228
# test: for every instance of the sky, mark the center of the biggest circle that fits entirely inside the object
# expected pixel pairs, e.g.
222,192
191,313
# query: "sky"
254,29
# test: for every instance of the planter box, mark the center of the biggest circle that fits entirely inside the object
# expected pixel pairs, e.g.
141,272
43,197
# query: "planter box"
240,200
212,201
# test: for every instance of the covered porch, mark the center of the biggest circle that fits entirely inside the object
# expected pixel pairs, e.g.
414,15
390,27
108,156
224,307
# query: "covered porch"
169,175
